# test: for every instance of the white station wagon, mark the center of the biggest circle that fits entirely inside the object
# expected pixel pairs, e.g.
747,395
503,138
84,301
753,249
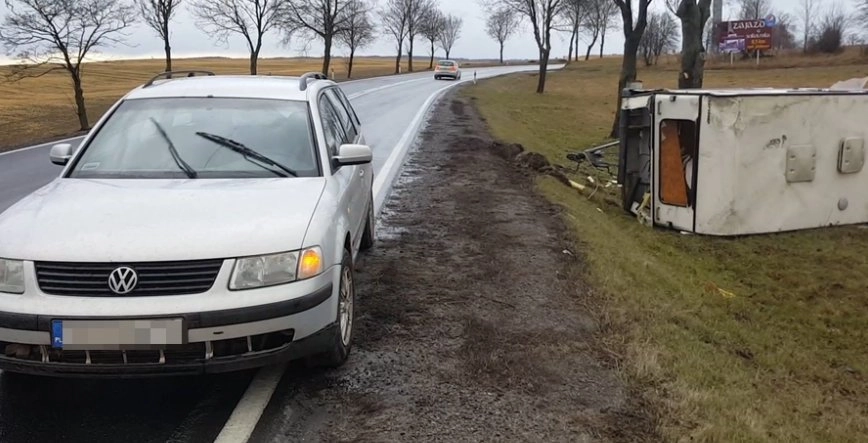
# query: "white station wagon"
206,224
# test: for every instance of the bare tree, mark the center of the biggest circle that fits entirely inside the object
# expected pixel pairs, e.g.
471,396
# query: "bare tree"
693,15
807,13
574,15
661,35
451,32
432,27
251,19
415,11
157,14
600,13
754,9
60,34
501,24
316,19
831,30
543,16
394,18
861,15
359,31
632,37
607,14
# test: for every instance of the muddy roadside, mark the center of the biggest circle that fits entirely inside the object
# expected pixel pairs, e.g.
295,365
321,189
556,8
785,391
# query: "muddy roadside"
472,322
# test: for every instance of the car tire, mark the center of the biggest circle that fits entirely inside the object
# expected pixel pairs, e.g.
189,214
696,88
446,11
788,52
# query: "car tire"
369,235
342,342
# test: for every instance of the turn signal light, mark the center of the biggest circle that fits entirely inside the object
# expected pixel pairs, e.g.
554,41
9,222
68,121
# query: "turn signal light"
310,263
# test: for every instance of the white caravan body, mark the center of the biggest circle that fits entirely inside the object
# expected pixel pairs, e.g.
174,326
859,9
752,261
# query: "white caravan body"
745,161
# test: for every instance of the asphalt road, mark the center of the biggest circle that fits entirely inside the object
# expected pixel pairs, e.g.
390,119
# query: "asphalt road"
392,110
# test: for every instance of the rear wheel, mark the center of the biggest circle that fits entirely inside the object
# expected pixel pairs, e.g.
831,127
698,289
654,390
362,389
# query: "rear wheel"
342,340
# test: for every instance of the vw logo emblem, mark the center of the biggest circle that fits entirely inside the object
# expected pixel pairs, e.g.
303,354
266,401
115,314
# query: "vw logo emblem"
123,280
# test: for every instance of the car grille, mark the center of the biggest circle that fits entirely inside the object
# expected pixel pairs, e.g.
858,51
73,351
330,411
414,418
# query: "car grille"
154,278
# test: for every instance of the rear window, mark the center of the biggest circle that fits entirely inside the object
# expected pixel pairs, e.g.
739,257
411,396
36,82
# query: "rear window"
446,63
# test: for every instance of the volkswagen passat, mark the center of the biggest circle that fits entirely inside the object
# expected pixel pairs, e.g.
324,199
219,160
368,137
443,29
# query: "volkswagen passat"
206,224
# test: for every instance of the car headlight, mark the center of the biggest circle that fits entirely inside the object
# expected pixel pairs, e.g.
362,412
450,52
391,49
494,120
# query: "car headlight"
275,269
11,276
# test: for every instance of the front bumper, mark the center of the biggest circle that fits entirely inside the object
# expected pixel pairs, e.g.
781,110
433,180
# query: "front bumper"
215,341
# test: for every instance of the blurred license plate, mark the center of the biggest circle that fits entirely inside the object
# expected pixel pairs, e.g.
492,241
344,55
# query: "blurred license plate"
116,334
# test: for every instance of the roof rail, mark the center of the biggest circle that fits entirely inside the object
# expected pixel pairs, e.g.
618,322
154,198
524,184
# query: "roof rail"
170,74
302,82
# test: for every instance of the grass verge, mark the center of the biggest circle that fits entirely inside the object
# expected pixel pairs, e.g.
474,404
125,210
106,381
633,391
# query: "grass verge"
752,339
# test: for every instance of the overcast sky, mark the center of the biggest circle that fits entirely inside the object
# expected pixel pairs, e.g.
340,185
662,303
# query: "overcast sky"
188,40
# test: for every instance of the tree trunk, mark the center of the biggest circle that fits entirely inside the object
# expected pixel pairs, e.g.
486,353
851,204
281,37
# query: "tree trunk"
327,54
254,59
543,70
398,61
591,46
447,53
602,42
352,56
692,50
577,46
410,56
168,50
570,51
501,53
628,75
431,62
80,108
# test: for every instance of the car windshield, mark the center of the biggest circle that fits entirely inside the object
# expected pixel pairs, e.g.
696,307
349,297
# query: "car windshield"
138,140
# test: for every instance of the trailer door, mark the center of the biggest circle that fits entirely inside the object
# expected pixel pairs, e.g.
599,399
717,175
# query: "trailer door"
676,139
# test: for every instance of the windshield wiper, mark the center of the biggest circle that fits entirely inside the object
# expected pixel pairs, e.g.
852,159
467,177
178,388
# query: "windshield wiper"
248,154
191,173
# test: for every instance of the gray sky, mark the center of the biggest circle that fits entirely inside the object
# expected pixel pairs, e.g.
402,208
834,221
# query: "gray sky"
188,40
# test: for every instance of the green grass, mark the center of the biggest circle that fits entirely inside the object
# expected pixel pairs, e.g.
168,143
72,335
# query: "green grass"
760,338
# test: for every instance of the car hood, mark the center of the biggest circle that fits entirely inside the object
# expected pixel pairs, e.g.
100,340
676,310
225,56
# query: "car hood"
156,220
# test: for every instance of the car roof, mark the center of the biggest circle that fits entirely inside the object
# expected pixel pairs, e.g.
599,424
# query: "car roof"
236,86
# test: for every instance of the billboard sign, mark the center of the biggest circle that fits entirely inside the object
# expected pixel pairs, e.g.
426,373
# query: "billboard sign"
746,35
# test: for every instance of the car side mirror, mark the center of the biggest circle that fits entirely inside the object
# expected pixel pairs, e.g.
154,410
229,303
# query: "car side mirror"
61,153
351,154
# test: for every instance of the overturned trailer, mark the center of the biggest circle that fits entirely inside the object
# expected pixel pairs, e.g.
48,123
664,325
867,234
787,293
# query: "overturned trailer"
744,161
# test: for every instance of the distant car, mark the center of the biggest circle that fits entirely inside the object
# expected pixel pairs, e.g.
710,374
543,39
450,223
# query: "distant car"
447,69
206,224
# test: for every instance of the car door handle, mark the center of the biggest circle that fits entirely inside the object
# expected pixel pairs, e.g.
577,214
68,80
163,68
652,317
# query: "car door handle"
361,172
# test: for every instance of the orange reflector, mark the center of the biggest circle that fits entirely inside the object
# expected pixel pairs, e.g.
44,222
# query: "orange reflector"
310,265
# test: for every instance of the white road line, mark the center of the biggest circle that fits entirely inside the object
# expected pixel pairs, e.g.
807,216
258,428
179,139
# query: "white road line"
39,146
380,88
250,407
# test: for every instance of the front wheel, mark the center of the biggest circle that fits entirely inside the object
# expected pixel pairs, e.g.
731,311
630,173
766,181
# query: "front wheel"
342,340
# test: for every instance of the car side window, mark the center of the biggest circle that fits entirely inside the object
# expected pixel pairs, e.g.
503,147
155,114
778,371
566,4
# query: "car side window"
331,125
349,106
348,125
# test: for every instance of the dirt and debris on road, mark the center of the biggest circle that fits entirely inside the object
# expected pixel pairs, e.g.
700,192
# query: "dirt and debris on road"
470,321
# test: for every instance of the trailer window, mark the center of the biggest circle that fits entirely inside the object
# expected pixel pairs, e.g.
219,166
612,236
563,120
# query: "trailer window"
677,151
